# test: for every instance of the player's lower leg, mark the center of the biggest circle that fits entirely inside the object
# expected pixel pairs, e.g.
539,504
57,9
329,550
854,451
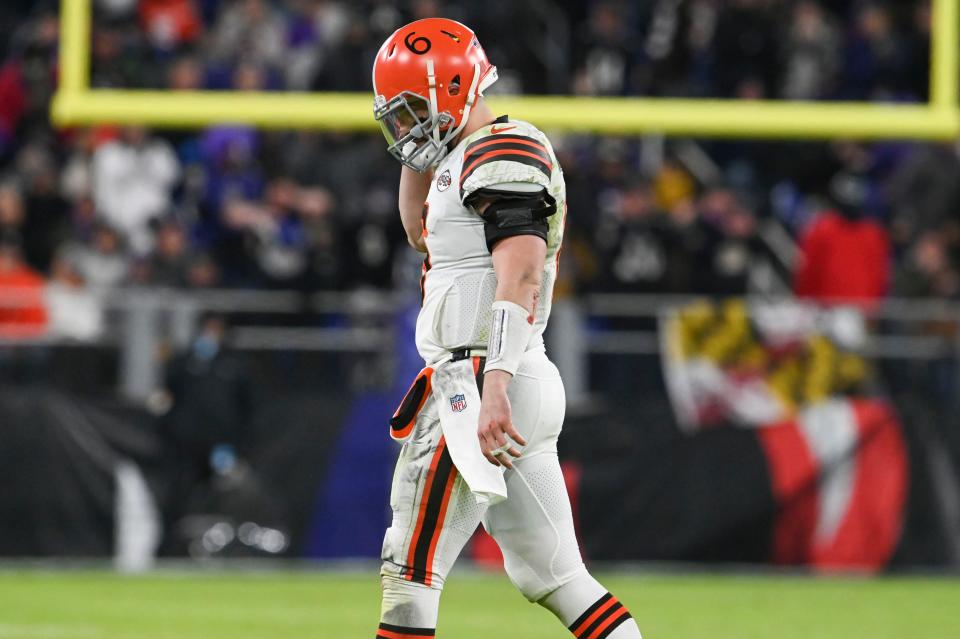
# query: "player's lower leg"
589,611
408,609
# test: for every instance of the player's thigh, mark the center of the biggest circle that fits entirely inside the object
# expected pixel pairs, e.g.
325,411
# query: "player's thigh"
434,512
417,456
534,527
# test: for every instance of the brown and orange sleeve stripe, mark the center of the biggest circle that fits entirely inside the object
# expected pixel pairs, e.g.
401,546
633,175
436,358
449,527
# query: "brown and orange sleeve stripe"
515,148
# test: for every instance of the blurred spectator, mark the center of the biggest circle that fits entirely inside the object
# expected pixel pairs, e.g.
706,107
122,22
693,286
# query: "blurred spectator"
13,102
724,245
875,56
117,8
812,53
924,192
917,46
74,312
11,209
76,178
170,23
203,272
248,76
210,395
636,244
83,216
745,48
209,391
134,178
47,222
347,66
121,57
230,161
672,185
185,74
370,244
274,232
927,270
101,262
844,257
250,30
606,54
22,311
170,261
317,206
306,50
36,55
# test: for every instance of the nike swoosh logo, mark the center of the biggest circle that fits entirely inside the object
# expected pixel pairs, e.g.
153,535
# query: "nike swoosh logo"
494,130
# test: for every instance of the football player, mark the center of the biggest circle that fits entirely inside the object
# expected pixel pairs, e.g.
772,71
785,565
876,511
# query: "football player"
484,198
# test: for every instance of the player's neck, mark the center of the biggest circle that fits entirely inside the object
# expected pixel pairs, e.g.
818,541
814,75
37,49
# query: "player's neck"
480,116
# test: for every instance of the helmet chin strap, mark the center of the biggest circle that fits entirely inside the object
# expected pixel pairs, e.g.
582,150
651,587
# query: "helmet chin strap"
432,83
471,100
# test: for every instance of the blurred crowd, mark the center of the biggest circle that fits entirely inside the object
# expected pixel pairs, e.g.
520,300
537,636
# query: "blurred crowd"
91,209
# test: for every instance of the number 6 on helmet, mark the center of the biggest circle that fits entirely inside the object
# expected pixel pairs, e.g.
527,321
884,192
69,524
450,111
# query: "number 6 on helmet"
419,80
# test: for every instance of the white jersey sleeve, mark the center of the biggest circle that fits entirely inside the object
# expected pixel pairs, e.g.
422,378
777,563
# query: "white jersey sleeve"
508,153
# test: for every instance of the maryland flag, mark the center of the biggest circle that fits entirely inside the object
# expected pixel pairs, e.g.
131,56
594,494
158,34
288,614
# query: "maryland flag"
836,459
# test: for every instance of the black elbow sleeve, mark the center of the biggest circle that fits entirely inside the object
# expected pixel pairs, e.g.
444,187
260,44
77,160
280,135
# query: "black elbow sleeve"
518,215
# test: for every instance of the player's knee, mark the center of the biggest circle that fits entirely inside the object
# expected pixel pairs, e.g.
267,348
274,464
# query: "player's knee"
394,566
535,584
403,577
390,581
539,565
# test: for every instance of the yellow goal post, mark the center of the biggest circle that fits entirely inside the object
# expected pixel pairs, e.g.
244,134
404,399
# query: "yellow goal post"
75,103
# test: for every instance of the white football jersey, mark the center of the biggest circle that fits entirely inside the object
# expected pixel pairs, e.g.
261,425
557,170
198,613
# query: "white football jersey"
458,282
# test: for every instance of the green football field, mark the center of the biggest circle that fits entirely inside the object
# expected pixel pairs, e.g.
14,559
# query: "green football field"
329,605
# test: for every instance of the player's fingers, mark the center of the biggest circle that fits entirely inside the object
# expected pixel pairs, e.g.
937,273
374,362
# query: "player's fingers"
486,439
491,458
513,451
515,434
487,446
505,460
501,440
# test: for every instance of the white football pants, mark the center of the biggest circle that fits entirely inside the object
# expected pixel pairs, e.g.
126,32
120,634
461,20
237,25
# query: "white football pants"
435,514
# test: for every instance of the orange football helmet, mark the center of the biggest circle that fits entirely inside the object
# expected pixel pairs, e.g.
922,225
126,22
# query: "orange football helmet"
426,78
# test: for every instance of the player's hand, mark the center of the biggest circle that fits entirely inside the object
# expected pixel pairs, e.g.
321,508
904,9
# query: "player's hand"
496,423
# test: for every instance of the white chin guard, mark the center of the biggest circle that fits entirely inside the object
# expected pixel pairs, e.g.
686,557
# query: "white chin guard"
510,331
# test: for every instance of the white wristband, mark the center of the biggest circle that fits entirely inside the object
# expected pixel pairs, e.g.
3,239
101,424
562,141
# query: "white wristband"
510,332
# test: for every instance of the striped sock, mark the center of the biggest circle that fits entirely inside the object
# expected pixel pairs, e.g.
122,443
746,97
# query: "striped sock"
389,631
602,619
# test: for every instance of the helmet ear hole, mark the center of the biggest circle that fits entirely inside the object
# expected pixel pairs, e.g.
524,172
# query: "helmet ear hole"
454,88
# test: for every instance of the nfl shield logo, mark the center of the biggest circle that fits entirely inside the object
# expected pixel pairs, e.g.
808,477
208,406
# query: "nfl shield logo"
458,403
